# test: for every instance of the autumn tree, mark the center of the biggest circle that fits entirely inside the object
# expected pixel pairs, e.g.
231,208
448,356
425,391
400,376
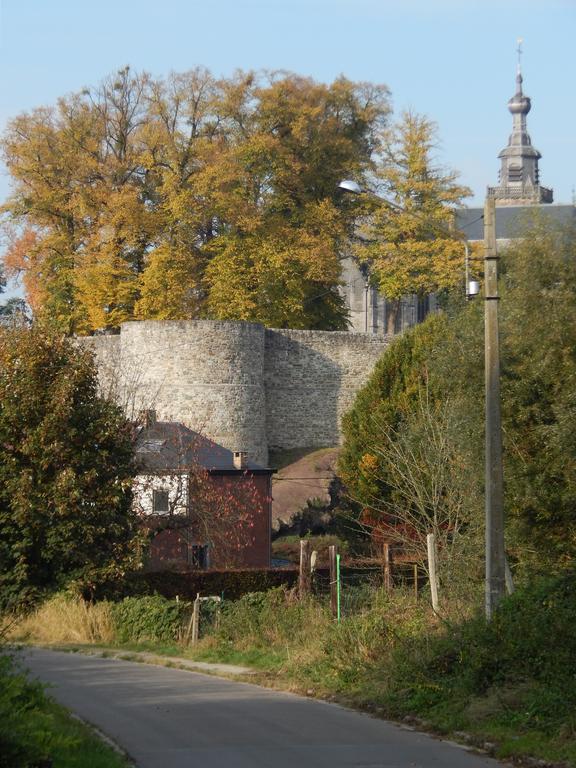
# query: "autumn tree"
409,244
282,249
65,469
138,198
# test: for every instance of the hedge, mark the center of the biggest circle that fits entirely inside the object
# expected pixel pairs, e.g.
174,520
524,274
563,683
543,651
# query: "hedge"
230,584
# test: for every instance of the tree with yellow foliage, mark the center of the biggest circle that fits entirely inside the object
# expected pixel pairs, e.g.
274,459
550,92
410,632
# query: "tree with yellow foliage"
411,244
188,197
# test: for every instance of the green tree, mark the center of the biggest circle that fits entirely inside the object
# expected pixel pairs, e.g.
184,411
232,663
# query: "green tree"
65,468
444,358
538,392
409,247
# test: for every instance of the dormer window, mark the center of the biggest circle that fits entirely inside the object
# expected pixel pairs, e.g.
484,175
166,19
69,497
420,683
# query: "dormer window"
151,446
160,502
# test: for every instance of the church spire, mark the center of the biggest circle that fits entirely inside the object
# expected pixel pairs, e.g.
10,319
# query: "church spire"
519,176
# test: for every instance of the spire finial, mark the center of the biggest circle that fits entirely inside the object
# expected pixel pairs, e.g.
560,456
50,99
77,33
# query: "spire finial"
519,52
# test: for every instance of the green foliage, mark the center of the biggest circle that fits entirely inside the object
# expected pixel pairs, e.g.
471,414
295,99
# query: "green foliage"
538,392
65,469
442,362
513,671
268,620
35,730
22,738
231,584
152,618
384,403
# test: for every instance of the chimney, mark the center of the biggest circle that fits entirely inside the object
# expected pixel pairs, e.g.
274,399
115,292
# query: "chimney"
240,458
148,418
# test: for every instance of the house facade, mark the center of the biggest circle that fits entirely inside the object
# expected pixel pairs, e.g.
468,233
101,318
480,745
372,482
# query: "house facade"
205,507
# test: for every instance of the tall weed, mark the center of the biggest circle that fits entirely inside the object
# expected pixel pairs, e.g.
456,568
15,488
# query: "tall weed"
67,619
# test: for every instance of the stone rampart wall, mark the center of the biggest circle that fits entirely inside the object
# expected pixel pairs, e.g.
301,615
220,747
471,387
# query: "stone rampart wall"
245,387
311,379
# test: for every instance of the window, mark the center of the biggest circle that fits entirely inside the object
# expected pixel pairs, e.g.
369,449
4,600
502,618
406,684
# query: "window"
198,555
159,501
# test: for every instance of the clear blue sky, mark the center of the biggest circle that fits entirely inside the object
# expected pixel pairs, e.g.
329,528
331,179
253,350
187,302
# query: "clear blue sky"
453,60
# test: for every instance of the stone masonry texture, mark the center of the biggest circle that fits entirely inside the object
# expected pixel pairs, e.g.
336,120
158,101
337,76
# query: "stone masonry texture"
243,386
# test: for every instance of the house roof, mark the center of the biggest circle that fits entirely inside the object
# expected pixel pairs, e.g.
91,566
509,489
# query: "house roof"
169,446
512,220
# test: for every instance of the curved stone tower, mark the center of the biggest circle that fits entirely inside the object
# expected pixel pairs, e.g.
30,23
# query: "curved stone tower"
208,375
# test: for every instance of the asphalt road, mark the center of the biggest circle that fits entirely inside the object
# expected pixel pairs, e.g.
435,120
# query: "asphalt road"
170,718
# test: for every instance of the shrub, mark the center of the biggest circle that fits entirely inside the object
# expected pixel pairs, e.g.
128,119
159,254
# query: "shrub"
151,618
530,644
231,584
22,732
273,618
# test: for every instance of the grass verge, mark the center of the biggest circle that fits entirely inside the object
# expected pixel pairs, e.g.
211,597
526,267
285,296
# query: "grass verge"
510,683
36,731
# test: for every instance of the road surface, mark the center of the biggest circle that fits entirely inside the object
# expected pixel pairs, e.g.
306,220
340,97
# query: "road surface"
171,718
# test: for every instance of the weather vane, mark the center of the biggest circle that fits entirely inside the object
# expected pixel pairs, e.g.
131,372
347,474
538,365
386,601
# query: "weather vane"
519,51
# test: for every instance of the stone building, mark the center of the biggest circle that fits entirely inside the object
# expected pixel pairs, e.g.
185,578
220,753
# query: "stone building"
519,177
519,196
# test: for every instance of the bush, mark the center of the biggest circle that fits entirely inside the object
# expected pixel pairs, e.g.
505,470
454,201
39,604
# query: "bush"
152,618
269,619
231,584
522,661
21,703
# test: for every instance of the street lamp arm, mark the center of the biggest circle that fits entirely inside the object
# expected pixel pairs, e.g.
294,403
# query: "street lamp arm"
352,187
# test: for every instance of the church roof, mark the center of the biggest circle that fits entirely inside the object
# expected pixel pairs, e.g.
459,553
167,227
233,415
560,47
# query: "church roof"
513,221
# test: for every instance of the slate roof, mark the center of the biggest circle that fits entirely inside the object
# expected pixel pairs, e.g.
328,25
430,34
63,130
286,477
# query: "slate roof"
512,220
169,446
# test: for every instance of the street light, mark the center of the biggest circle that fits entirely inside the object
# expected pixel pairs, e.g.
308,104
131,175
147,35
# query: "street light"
471,287
494,477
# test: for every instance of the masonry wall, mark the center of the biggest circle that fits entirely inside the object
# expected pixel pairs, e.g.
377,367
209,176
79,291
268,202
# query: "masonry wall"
244,387
311,379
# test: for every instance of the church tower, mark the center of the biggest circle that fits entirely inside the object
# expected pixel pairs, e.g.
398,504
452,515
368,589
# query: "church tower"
519,182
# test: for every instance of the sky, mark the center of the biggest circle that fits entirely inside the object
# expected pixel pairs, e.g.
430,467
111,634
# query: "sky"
451,60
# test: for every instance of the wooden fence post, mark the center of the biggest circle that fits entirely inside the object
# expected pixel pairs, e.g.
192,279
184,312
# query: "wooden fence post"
387,568
333,580
304,579
196,619
431,545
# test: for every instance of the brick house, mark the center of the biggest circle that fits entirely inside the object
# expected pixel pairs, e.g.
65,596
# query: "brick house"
206,506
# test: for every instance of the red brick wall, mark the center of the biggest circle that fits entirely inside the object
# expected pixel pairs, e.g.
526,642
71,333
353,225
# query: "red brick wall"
237,529
244,539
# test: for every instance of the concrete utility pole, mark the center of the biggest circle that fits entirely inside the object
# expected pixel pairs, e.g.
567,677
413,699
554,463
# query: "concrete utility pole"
495,553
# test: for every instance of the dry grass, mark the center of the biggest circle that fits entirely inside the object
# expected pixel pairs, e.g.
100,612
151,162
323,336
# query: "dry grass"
66,619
